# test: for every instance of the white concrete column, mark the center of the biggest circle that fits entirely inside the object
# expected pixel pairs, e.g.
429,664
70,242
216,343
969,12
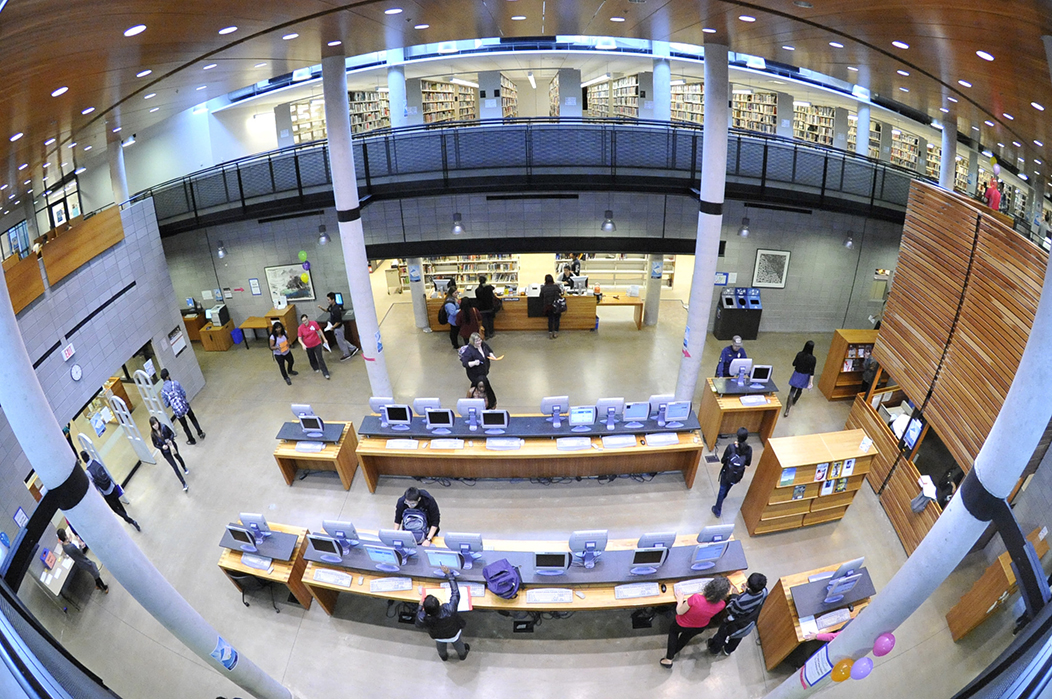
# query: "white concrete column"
885,142
396,87
662,82
710,217
490,102
646,95
652,302
118,176
840,127
417,289
414,100
862,130
948,164
32,229
40,437
349,214
570,95
785,113
998,466
921,166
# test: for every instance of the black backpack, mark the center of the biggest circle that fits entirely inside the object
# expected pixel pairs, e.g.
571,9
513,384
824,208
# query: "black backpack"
735,467
443,317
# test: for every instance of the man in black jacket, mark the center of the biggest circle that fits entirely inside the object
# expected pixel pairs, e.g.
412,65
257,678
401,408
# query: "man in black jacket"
336,312
736,458
484,302
442,621
418,502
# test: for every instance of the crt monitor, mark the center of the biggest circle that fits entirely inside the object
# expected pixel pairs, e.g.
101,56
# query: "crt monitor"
439,421
676,412
588,545
635,413
399,539
399,417
646,561
495,421
471,408
436,558
579,283
256,523
244,537
706,555
420,405
551,563
761,373
840,587
609,410
664,540
386,559
329,548
469,545
582,417
715,532
737,365
344,532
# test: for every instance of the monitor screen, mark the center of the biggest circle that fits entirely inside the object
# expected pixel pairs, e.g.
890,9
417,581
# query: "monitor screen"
848,568
715,532
382,554
301,409
463,542
761,372
649,557
840,586
439,418
677,410
550,403
579,283
657,401
551,560
657,540
339,298
422,405
241,536
737,364
340,530
466,405
250,520
709,552
397,538
190,303
603,405
377,403
399,414
636,411
582,415
311,423
324,544
588,540
494,418
441,285
448,559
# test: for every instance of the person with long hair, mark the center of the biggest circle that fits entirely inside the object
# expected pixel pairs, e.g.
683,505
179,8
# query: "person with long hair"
693,615
550,292
476,357
164,440
282,349
803,374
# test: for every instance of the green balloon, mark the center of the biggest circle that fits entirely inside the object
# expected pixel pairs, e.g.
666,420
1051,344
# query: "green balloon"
303,255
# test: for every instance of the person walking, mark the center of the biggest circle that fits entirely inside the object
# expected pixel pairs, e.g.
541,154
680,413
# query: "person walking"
175,398
164,439
551,293
469,320
742,611
693,615
443,623
484,300
311,339
476,357
452,308
336,311
736,458
869,372
279,345
80,560
803,374
478,391
107,487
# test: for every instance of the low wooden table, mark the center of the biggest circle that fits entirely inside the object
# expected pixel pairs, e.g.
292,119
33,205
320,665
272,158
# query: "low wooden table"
339,457
725,414
217,339
253,323
625,300
287,573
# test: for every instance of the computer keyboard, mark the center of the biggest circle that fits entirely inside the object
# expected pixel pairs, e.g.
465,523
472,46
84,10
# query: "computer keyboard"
258,562
753,400
686,588
573,443
637,590
838,616
402,444
332,577
447,443
662,439
390,584
477,589
310,447
503,443
549,595
619,441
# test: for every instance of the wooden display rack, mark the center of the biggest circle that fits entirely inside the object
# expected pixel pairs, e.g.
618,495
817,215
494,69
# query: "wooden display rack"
836,383
779,499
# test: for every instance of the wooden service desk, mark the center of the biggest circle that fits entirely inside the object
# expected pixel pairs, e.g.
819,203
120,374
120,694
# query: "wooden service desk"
779,623
288,573
597,596
339,457
217,338
194,322
538,458
623,299
579,315
725,414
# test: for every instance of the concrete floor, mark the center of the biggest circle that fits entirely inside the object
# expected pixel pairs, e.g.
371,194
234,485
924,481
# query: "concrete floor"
594,654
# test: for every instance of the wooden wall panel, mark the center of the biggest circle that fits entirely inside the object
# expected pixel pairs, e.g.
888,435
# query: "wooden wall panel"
24,282
72,248
864,417
910,526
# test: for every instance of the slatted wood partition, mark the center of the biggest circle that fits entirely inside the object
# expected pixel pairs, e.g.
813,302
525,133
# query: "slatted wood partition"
24,282
864,417
84,241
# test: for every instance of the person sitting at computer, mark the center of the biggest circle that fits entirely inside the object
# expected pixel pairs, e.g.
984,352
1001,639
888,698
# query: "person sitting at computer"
693,615
417,512
443,623
729,354
742,610
567,276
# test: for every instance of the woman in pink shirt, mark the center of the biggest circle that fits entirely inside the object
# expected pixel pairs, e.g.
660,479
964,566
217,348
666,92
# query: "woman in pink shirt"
693,614
310,338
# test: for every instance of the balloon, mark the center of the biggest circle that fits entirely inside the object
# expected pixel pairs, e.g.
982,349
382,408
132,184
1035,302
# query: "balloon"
883,645
306,266
861,669
842,670
997,169
993,160
305,277
303,255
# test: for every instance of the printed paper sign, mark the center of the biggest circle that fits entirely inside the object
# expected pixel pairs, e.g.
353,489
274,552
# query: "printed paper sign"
225,654
816,669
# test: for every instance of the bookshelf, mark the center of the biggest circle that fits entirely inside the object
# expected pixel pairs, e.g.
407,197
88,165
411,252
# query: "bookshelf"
599,99
308,120
755,111
509,97
444,101
688,103
500,270
814,124
619,270
842,375
874,136
805,480
553,96
904,147
467,103
625,94
369,111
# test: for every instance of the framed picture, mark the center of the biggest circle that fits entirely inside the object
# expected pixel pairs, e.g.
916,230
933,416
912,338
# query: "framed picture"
58,212
771,270
288,281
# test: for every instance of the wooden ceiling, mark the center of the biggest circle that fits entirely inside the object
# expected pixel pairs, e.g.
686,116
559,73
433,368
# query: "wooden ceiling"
46,45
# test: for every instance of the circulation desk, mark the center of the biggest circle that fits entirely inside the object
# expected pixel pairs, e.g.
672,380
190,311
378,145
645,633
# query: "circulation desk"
610,570
288,573
339,456
579,315
725,414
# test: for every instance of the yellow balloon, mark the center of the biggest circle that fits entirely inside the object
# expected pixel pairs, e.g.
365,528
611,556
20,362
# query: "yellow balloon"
842,670
305,277
993,160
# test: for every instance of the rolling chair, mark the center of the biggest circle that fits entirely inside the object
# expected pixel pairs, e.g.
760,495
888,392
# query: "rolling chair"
250,583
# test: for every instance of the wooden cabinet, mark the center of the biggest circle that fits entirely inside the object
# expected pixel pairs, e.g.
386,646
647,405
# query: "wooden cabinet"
842,375
194,322
217,339
805,480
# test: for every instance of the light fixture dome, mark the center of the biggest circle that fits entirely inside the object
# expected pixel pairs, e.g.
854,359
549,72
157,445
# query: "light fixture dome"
608,225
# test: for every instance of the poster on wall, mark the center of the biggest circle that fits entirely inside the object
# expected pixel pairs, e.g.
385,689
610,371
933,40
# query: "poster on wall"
177,340
291,281
253,284
771,270
58,212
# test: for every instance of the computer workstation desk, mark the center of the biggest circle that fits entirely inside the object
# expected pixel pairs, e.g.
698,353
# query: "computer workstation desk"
723,412
538,457
597,584
285,572
337,455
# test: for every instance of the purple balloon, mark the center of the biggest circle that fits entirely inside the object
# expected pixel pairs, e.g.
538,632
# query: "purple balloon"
997,169
306,266
883,645
861,669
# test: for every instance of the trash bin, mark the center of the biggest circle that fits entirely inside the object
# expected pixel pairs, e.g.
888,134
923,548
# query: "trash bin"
738,313
237,335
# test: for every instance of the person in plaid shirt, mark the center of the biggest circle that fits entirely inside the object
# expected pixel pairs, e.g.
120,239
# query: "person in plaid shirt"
175,398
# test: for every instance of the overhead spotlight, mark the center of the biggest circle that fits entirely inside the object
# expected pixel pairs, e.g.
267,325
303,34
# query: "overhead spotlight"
743,231
608,225
458,224
323,237
221,250
128,141
849,241
533,83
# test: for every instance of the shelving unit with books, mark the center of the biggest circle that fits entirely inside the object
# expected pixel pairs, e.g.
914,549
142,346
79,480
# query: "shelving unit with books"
308,120
553,96
501,270
904,147
619,270
439,101
688,103
467,103
874,136
599,99
625,94
842,376
369,111
509,97
813,124
754,111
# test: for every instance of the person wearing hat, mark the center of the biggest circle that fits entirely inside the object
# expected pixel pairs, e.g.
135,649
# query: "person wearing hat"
729,354
736,458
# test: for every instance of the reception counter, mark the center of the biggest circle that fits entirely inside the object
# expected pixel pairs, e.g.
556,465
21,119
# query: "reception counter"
579,315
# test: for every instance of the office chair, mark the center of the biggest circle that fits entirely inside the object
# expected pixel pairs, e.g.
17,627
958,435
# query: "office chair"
250,583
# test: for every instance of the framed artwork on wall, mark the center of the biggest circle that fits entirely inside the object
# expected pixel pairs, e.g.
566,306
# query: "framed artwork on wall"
771,270
290,281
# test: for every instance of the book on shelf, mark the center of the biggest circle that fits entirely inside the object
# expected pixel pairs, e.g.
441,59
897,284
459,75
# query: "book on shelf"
841,485
787,477
820,471
827,488
849,467
798,492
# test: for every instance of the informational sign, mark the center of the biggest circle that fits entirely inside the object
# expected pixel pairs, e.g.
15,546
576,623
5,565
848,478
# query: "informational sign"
224,654
148,367
721,279
571,101
657,268
686,342
414,273
816,669
206,294
67,352
98,423
253,285
228,293
21,518
177,340
379,343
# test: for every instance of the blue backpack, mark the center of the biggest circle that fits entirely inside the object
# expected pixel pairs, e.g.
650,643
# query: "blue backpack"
502,579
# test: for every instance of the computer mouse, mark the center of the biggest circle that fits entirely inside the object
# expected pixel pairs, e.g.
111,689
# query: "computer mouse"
663,587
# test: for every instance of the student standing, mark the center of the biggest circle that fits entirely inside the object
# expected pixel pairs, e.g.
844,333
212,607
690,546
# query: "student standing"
310,339
803,374
476,357
742,610
443,623
736,458
417,512
80,560
550,293
693,614
175,398
107,487
279,345
164,439
452,308
336,312
484,301
729,354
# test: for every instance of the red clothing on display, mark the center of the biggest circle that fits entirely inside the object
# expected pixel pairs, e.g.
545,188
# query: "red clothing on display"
700,612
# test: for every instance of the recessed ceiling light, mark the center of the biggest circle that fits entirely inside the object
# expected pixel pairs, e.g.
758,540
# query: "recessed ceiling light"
334,43
87,148
227,30
118,129
900,44
802,3
289,37
149,96
944,110
903,73
49,142
1017,144
904,89
952,99
61,91
789,48
1039,144
747,18
80,170
27,182
65,164
1000,145
853,69
708,30
16,137
259,65
71,145
202,87
1037,106
210,66
1022,176
88,110
964,83
975,128
1037,162
836,44
154,110
46,165
617,19
988,122
23,166
1008,116
137,29
896,132
984,55
11,196
422,26
143,73
518,18
393,11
